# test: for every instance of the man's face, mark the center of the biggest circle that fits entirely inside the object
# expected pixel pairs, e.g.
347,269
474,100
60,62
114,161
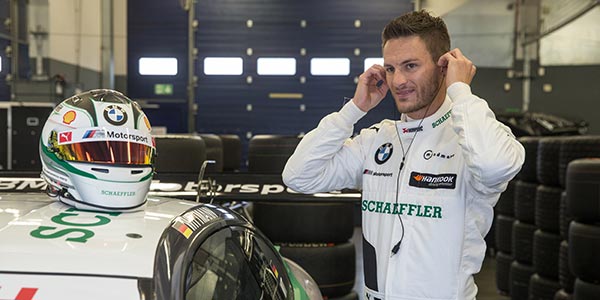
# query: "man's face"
414,79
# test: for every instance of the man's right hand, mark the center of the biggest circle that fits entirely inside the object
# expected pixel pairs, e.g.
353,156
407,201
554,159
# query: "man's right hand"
368,94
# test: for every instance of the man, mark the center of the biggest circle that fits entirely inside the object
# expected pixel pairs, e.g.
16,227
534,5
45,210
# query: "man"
429,181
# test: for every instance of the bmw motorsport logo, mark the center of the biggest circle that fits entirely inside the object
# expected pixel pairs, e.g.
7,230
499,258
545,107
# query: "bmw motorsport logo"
115,115
383,153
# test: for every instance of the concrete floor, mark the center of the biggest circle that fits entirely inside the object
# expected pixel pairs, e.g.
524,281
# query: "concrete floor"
485,280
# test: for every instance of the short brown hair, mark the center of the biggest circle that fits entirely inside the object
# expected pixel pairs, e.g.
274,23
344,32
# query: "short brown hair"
432,30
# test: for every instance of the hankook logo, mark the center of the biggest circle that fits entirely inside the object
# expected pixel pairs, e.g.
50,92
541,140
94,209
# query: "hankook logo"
432,181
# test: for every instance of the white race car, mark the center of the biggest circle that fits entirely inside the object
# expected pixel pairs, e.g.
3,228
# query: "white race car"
173,249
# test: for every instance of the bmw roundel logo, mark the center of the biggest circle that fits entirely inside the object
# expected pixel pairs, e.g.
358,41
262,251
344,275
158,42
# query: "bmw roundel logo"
383,153
115,115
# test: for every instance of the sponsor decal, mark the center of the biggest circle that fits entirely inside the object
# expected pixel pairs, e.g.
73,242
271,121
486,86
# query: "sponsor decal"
65,137
127,136
147,123
373,173
275,272
26,293
93,133
115,115
441,120
117,193
58,108
69,117
432,181
414,129
404,209
383,153
69,222
429,154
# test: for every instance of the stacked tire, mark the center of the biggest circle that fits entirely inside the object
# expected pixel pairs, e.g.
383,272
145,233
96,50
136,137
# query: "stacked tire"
523,226
583,205
544,284
314,235
504,212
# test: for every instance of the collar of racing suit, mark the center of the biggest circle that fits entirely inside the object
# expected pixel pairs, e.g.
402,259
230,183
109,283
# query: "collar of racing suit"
438,118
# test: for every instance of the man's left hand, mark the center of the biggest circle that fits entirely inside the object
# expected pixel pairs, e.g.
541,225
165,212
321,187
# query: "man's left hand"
458,67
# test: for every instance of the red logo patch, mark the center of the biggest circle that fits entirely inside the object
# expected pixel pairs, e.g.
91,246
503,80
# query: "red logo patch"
64,137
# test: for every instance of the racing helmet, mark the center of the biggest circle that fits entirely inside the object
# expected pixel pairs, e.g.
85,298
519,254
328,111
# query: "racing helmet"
97,152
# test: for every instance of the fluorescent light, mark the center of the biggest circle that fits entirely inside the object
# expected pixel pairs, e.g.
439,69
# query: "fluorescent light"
330,66
370,61
0,63
223,66
276,66
158,66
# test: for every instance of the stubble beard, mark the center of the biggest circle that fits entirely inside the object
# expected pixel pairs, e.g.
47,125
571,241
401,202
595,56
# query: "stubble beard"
426,93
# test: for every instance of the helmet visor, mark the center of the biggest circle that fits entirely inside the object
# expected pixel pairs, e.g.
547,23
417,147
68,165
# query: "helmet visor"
127,148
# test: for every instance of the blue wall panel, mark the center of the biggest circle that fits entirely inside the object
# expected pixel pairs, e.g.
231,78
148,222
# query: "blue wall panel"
158,29
330,31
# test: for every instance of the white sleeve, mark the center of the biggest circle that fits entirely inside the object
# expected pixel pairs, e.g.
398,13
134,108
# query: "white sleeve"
326,158
492,153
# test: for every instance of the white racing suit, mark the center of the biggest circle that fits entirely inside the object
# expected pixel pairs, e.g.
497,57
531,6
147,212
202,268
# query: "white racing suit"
440,204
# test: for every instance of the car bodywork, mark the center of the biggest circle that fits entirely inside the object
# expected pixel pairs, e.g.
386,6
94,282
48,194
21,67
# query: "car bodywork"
172,249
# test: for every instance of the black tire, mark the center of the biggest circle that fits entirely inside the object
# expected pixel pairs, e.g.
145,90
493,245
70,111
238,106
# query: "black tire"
522,243
584,250
171,148
545,254
565,276
583,189
525,201
503,234
565,217
269,153
503,261
506,202
574,148
586,290
529,170
547,160
232,152
291,222
520,274
562,295
541,288
547,208
214,151
333,267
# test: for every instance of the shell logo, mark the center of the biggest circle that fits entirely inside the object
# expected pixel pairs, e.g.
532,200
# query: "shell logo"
69,117
418,177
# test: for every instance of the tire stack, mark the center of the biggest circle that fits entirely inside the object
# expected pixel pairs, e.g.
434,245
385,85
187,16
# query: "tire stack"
523,227
504,212
232,152
170,148
583,205
546,239
576,201
314,235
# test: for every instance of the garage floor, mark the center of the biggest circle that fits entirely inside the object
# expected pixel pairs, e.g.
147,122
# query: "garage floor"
485,280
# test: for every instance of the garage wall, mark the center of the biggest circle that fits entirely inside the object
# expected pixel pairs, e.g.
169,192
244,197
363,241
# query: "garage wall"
248,104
